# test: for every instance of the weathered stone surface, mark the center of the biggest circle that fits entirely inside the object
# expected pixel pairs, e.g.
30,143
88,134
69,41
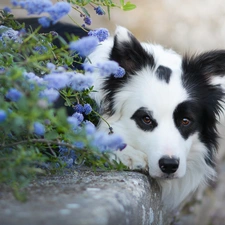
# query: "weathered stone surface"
86,198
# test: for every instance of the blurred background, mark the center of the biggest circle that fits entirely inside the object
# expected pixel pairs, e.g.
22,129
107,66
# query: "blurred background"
189,26
185,26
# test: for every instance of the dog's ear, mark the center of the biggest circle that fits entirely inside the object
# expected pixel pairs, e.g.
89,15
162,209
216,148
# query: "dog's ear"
128,51
204,77
209,66
210,63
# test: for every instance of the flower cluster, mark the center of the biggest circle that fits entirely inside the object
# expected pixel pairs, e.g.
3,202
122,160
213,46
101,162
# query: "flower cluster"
13,95
67,155
84,46
9,33
99,11
105,142
56,11
101,33
3,115
100,141
56,80
111,67
86,108
46,114
87,20
39,129
75,120
105,68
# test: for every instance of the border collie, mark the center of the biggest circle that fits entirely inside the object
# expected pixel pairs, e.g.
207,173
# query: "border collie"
166,108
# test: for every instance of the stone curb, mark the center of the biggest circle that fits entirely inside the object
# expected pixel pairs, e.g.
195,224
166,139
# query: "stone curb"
86,198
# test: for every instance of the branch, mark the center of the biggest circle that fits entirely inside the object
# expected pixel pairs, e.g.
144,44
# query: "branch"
48,142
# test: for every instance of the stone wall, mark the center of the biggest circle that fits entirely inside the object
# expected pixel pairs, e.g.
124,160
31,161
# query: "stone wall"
86,198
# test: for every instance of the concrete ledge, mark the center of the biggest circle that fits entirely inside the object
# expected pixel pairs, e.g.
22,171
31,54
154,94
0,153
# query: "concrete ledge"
86,198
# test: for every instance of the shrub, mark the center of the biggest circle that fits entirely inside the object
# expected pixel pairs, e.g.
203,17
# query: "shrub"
34,74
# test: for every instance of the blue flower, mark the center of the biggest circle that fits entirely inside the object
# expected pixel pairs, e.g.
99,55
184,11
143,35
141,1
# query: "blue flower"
84,46
15,2
22,32
79,144
69,161
58,10
2,69
3,115
89,128
57,80
67,155
78,108
40,49
79,82
63,149
13,94
99,10
88,67
51,66
7,9
51,94
34,6
107,68
73,121
31,77
120,72
104,142
44,21
101,33
9,33
78,116
87,109
87,20
39,128
122,146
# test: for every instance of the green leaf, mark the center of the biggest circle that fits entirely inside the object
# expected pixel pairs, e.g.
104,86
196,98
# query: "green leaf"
128,6
122,2
108,9
52,135
85,11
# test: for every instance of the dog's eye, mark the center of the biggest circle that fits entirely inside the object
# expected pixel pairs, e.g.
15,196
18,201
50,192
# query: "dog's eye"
185,122
147,120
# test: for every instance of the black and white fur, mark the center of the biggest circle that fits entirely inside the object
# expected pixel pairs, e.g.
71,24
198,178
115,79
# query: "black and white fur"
166,108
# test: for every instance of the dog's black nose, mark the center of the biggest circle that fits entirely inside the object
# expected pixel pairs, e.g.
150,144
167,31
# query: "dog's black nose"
169,164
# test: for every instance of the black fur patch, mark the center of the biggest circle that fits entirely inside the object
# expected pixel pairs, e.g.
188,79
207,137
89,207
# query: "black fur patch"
139,118
132,57
191,111
164,73
197,72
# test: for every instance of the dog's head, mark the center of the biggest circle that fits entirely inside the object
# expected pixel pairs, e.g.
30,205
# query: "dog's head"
166,105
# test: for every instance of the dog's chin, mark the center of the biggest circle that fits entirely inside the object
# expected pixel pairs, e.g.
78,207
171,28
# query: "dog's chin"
166,177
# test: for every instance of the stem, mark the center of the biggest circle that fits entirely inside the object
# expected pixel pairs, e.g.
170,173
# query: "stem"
32,35
102,119
96,113
39,141
77,23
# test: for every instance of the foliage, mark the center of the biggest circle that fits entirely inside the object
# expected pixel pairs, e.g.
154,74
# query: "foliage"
35,75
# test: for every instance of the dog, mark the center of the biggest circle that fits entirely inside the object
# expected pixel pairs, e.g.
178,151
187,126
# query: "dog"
166,108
